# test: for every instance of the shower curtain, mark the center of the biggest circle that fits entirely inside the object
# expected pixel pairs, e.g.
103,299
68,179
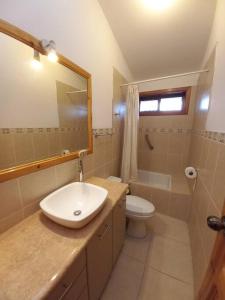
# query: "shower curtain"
129,156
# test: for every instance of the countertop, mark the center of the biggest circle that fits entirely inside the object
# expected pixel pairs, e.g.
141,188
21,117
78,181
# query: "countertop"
35,253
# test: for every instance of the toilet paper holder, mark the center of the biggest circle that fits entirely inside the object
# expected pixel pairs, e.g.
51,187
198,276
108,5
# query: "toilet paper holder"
192,173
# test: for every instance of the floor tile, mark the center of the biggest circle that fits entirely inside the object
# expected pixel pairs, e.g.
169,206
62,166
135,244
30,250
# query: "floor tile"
156,268
125,280
118,294
171,257
169,227
137,248
158,286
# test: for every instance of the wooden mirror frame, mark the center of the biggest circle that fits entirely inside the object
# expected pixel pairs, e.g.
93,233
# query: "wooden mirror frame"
34,43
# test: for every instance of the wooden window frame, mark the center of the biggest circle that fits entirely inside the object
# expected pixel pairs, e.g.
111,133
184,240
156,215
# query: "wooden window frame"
156,95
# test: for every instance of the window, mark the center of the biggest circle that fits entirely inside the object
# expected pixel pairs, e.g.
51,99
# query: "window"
165,102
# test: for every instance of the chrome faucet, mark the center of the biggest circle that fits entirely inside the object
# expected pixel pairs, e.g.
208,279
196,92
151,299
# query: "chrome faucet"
81,155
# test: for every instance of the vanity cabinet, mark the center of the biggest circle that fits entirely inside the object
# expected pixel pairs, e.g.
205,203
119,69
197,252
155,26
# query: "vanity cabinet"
74,282
100,259
88,275
78,287
119,227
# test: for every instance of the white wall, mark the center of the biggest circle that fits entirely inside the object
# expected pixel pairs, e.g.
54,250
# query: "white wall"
81,33
215,120
184,81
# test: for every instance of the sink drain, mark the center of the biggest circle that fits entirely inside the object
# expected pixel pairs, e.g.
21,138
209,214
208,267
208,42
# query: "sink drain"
77,212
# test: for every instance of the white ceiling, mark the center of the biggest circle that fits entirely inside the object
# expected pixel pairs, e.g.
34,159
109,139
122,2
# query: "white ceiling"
161,43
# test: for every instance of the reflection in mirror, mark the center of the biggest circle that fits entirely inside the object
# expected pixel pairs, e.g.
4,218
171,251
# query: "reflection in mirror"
43,111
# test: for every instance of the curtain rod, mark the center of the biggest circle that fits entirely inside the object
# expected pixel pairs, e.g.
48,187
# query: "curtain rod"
165,77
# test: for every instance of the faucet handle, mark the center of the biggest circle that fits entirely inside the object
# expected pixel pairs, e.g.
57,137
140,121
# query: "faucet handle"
82,153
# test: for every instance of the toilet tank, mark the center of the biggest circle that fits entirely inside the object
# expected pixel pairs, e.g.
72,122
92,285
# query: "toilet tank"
114,178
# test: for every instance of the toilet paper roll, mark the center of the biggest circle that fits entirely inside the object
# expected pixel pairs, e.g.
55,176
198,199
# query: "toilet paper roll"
191,172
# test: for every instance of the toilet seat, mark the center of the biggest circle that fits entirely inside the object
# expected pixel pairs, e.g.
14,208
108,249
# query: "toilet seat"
137,206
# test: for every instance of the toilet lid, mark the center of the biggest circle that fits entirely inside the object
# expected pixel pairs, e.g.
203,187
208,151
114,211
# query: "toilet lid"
138,205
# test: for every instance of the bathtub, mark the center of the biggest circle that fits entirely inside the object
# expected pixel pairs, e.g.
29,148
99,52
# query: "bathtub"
156,180
169,194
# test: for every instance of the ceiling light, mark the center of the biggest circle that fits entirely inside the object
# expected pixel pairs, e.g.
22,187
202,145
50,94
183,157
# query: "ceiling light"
158,4
35,63
49,47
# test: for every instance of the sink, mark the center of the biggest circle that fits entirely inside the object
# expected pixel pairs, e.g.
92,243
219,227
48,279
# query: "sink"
75,204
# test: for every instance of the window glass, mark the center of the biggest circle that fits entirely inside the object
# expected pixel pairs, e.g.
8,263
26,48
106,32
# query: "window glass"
165,102
151,105
171,104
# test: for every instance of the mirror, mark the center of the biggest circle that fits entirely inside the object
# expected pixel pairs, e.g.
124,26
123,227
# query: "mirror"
45,108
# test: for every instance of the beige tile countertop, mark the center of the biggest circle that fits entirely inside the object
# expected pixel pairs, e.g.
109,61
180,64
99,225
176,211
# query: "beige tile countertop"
35,253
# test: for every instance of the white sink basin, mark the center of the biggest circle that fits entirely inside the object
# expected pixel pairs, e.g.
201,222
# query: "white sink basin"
75,204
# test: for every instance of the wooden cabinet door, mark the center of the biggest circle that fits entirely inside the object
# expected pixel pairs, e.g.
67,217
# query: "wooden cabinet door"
99,259
77,287
213,287
71,277
119,227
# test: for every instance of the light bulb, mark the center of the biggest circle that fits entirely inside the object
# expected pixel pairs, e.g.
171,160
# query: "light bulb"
49,49
52,56
158,4
35,63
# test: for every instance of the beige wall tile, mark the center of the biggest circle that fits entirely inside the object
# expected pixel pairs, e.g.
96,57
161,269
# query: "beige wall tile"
210,165
198,255
66,172
54,143
11,220
218,185
142,190
7,151
177,143
179,206
174,163
37,185
157,162
10,200
161,199
41,146
160,142
179,184
31,208
208,197
157,121
24,148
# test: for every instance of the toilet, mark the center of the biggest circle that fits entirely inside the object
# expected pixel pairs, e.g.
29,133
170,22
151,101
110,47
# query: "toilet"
138,211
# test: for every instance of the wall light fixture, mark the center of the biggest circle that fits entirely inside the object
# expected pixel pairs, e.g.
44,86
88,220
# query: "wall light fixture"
36,63
49,47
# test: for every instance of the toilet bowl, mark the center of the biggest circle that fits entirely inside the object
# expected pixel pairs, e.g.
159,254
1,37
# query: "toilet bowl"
138,211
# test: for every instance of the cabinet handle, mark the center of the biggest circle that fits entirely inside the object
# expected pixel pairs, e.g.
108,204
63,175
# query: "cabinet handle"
65,285
101,236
